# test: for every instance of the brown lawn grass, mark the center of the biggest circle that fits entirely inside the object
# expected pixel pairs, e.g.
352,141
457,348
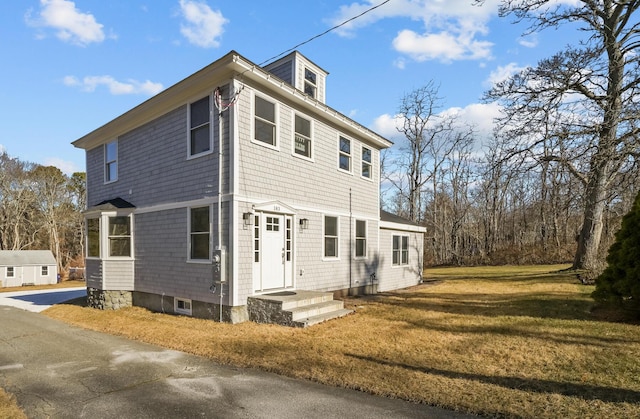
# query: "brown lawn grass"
507,341
63,284
9,408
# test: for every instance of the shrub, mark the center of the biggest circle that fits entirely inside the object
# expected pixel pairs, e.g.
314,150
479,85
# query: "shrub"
619,283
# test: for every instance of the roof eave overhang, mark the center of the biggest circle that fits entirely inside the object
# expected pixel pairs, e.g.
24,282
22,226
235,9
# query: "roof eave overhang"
230,66
249,70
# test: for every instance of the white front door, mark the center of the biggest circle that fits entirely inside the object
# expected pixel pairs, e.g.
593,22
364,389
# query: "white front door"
273,253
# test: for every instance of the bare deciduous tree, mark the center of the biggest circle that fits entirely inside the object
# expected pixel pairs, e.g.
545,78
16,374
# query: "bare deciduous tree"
585,99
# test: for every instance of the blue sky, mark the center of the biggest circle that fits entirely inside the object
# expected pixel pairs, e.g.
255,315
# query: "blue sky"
68,67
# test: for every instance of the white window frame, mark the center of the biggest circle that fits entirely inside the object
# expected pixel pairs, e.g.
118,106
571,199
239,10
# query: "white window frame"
110,162
108,236
362,238
276,116
10,271
88,256
189,233
295,134
364,162
313,84
191,155
324,237
341,153
402,251
187,306
44,271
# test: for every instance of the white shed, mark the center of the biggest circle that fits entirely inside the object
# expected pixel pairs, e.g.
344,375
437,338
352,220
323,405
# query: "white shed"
27,267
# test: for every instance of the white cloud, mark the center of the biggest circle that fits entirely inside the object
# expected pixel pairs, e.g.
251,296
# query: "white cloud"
502,73
70,24
478,115
66,167
90,83
530,41
452,29
203,26
443,46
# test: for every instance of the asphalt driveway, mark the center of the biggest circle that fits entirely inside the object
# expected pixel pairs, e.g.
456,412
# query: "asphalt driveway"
59,371
38,300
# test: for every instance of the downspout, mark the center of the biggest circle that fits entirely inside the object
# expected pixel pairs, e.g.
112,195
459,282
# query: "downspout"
350,242
220,201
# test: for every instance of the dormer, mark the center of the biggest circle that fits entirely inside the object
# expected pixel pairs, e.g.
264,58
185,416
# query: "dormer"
302,73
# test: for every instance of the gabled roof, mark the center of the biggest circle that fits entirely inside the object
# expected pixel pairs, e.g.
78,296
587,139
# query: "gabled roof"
230,66
26,257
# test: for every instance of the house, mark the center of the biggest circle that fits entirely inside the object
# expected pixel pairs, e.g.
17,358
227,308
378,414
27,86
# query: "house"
27,267
239,184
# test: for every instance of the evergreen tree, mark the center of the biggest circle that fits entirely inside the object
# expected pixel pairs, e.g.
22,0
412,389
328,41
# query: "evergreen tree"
620,281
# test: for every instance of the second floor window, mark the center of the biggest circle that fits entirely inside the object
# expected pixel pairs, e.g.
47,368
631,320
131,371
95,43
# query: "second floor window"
302,143
366,162
265,121
111,161
344,155
199,126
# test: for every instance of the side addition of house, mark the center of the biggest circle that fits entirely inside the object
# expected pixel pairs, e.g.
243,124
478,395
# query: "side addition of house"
238,183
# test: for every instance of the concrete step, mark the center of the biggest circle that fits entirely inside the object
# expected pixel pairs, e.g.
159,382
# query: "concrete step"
310,321
305,298
310,310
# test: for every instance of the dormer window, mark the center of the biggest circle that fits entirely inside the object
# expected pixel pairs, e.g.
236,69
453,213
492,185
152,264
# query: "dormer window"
310,85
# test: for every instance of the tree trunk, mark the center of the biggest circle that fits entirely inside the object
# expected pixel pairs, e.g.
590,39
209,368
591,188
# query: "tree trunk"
589,239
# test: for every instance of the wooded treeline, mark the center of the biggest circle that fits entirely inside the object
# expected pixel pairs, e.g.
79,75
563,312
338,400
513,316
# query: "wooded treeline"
563,166
41,209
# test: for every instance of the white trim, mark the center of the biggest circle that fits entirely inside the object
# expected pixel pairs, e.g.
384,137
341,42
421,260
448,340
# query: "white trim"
388,225
234,150
312,154
209,253
186,311
276,116
105,162
362,161
400,264
322,237
355,239
211,128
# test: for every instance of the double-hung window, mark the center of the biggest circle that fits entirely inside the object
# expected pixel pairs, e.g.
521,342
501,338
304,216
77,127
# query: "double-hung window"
361,238
199,127
199,233
344,154
111,162
330,237
11,272
264,121
120,236
93,237
366,162
400,252
44,271
302,140
310,86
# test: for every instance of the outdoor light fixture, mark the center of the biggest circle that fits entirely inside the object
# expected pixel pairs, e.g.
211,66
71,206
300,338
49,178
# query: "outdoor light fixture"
248,218
304,223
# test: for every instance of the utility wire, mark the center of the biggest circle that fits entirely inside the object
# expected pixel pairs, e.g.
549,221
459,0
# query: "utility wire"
325,32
